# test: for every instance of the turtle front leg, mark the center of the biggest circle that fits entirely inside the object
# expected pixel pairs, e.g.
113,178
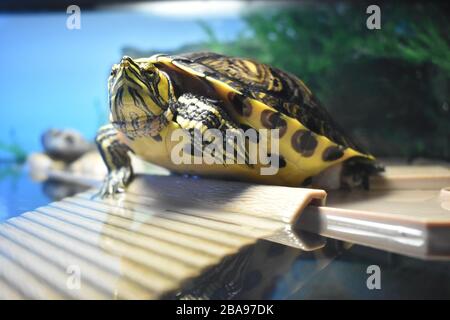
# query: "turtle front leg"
116,158
197,113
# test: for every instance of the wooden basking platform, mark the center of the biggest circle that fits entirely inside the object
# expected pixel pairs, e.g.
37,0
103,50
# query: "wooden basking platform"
147,243
167,232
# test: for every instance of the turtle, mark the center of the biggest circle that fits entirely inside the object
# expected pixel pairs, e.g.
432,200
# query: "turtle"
153,99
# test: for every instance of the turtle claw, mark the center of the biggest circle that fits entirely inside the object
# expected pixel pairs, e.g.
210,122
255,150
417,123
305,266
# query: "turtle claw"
115,182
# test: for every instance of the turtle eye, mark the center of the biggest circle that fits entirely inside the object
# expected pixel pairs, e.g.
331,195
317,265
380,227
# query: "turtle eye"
113,72
150,74
148,68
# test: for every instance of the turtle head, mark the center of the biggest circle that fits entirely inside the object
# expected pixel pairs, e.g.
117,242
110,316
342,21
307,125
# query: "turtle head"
139,93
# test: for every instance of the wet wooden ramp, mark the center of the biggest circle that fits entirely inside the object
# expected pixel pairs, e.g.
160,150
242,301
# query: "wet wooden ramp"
147,243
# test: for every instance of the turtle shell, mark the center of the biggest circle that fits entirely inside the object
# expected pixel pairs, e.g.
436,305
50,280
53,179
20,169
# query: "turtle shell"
259,96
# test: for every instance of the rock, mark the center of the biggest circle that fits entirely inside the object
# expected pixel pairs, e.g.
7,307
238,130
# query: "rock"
65,144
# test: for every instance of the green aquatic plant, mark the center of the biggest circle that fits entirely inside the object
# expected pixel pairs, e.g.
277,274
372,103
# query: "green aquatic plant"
390,86
311,41
417,34
15,150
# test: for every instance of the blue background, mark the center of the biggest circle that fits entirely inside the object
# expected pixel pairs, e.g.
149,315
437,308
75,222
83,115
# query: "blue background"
56,77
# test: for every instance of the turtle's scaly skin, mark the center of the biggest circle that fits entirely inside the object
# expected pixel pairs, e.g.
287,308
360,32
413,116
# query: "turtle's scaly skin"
152,97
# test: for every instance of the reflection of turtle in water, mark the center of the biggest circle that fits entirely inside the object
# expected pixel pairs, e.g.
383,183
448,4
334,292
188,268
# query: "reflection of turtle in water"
151,98
265,270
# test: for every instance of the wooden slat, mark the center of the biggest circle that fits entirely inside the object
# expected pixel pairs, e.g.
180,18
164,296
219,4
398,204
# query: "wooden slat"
8,292
22,280
271,227
64,257
54,276
277,202
80,242
240,224
142,245
112,227
400,176
214,201
215,247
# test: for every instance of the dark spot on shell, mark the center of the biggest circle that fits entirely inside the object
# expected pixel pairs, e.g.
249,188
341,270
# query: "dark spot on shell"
273,120
238,101
281,161
306,182
276,82
252,279
304,142
332,153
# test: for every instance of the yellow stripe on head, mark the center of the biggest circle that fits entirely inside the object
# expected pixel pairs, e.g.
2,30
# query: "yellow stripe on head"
138,92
